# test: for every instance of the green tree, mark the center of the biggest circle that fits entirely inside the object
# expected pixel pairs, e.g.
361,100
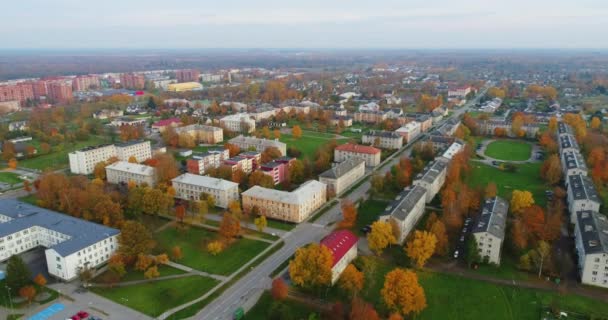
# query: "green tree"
472,255
17,274
134,240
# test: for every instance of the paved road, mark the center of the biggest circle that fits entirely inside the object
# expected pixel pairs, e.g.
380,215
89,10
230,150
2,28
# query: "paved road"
245,292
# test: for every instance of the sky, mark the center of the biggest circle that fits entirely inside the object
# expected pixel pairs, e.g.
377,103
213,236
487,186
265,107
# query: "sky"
185,24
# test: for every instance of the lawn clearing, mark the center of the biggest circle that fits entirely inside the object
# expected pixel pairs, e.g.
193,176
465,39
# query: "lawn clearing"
527,177
156,297
308,144
9,178
281,225
58,157
193,242
133,275
509,150
368,212
263,306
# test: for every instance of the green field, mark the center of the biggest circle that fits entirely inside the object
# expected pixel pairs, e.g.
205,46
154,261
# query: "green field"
193,243
527,177
309,143
9,177
261,309
368,212
509,150
156,297
58,157
133,275
281,225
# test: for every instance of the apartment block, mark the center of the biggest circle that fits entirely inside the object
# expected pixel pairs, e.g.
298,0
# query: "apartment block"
190,187
343,246
240,122
125,172
409,131
277,170
591,243
347,151
202,133
83,161
383,139
489,229
406,210
344,174
432,178
202,162
582,195
238,162
259,144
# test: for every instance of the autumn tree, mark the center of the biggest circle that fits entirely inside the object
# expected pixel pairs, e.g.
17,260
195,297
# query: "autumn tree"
402,292
132,159
351,280
28,293
143,262
361,310
17,273
233,149
595,123
135,240
260,223
553,124
311,266
27,186
166,167
176,253
270,154
215,247
152,273
230,226
519,236
296,131
438,229
258,178
276,133
279,289
551,170
521,200
12,163
380,237
349,214
421,247
40,280
491,190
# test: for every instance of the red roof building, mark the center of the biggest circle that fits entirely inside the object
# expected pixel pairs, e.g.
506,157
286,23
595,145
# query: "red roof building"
343,245
358,148
161,125
347,151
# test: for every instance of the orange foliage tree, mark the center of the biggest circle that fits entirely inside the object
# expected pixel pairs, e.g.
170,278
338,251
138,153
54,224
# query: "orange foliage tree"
402,292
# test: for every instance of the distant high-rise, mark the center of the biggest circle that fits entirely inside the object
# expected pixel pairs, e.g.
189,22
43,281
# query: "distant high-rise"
81,83
187,75
16,92
60,91
132,81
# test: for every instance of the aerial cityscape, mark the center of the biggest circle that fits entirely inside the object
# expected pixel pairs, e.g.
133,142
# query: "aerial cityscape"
321,160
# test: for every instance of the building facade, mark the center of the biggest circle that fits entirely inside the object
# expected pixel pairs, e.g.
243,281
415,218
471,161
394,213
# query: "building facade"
406,210
409,131
432,178
344,174
187,75
240,122
582,195
383,139
259,144
125,172
489,229
201,163
277,170
343,246
190,187
591,243
202,133
347,151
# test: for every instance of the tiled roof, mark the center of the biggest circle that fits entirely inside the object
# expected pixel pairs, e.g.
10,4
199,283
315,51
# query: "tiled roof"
357,148
339,242
166,122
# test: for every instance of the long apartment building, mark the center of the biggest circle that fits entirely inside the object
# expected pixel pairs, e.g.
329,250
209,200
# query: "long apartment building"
83,161
259,144
344,174
409,131
202,162
294,206
71,244
190,187
573,163
582,195
567,142
240,122
125,172
432,178
406,210
202,133
278,171
347,151
591,242
489,229
383,139
451,151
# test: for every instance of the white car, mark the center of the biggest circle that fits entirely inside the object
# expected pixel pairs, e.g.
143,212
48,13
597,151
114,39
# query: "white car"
455,254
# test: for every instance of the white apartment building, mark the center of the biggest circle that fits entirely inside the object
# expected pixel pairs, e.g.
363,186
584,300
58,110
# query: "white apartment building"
124,172
71,244
573,163
294,206
489,229
239,122
344,174
409,131
83,161
201,163
591,242
582,195
406,210
244,143
451,151
432,178
190,187
567,142
343,246
347,151
383,139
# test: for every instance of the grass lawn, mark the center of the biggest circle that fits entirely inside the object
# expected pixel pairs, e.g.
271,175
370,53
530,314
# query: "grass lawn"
58,157
193,243
31,199
156,297
368,212
263,306
509,150
9,177
309,143
281,225
133,275
527,177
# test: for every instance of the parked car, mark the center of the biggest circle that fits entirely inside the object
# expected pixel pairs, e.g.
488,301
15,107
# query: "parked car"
83,314
462,238
455,254
75,317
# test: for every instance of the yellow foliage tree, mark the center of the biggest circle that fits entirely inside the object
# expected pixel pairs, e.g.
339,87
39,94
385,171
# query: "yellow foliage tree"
132,159
215,247
402,292
421,247
520,200
296,131
311,266
380,236
351,280
261,223
595,123
151,273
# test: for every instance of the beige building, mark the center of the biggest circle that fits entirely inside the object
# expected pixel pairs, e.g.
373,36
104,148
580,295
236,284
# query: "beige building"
409,131
343,175
124,172
432,178
347,151
240,122
141,150
294,206
259,144
190,187
202,133
489,229
383,139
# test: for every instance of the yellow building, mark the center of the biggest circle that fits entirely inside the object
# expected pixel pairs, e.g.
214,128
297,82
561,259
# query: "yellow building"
185,86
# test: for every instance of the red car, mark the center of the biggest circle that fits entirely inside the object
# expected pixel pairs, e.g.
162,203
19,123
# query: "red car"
83,314
75,317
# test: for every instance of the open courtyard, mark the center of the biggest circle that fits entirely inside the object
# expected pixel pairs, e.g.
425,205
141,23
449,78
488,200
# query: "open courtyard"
509,150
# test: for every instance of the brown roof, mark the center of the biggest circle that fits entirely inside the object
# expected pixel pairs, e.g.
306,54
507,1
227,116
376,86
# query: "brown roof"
357,148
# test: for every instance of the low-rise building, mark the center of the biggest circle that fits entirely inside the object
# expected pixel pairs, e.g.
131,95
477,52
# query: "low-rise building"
409,131
567,142
202,162
185,86
107,114
573,163
202,133
451,151
459,92
564,128
240,122
489,229
383,139
489,127
344,121
83,161
369,116
238,162
347,151
72,244
591,242
582,195
162,125
18,126
294,206
406,210
190,187
259,144
255,156
277,170
139,149
343,246
125,172
344,174
432,178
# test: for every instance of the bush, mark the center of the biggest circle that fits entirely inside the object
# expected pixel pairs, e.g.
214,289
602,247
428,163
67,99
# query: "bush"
215,247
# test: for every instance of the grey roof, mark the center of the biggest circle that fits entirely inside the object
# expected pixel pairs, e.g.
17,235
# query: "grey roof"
82,233
563,128
582,188
574,160
593,229
130,143
431,171
568,141
405,201
342,168
384,134
205,181
493,217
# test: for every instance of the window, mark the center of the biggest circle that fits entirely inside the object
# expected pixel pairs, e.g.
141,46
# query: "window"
58,266
57,259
